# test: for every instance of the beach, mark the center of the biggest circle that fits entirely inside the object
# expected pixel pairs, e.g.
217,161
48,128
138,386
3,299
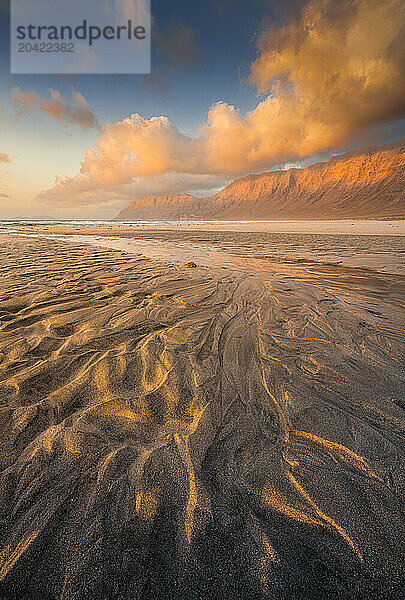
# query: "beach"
310,226
228,429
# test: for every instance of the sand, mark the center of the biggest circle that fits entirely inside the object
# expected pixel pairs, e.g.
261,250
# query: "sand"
181,433
244,245
333,227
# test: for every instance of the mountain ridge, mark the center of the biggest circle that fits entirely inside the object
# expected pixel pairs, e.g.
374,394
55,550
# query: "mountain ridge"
366,183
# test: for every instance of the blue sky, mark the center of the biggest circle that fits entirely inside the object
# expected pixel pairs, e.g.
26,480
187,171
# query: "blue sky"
225,38
225,46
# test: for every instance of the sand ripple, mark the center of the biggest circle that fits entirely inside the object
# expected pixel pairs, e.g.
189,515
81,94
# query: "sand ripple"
175,433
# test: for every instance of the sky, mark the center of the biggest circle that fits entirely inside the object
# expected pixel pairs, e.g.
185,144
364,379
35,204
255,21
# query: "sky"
236,87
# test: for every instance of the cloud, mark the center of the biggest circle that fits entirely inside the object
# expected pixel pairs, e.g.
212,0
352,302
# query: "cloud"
337,68
77,113
74,192
179,45
4,157
334,69
140,147
24,102
140,155
175,48
4,196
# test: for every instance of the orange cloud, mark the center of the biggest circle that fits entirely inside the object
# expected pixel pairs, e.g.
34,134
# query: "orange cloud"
77,113
4,157
24,102
334,70
77,191
330,72
146,154
338,67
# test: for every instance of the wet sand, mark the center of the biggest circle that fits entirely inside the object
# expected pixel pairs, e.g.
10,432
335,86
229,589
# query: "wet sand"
332,227
183,433
243,249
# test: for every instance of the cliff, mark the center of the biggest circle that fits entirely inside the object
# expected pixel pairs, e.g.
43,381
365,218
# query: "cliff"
362,184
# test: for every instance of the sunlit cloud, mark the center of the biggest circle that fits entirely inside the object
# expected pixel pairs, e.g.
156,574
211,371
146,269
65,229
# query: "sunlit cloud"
77,113
330,72
4,157
24,102
336,69
57,107
115,194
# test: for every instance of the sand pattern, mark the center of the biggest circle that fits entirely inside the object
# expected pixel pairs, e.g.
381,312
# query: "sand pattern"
173,433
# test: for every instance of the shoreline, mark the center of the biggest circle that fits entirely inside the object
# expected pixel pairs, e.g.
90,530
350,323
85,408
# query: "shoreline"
332,227
243,250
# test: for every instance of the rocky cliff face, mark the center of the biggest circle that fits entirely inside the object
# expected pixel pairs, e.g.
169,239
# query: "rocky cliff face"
167,206
366,184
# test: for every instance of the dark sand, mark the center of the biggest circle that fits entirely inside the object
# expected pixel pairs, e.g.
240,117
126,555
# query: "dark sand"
170,433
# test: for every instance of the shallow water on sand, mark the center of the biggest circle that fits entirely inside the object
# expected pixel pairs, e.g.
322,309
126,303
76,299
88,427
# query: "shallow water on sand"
257,250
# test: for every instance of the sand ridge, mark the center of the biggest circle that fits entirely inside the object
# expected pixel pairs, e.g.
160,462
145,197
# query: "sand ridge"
186,433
